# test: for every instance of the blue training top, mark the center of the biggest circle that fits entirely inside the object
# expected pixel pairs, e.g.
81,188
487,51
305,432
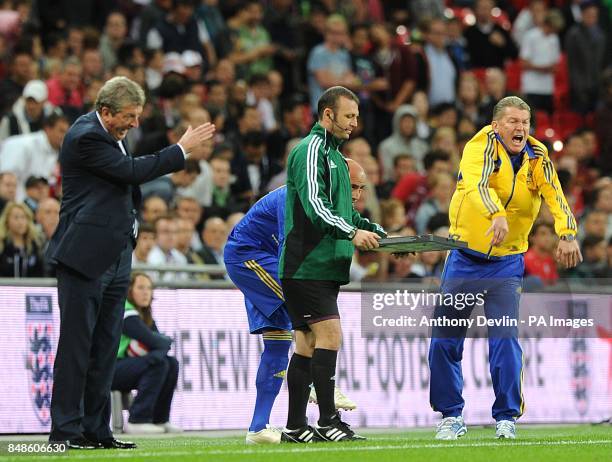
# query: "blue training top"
261,230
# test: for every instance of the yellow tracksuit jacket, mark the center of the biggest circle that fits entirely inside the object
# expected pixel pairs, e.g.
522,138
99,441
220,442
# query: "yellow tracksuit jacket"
487,187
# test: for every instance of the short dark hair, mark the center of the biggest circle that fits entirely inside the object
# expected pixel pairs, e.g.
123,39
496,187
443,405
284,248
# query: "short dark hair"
434,156
52,119
437,221
258,78
243,108
591,241
541,224
145,227
330,97
399,157
35,181
192,166
253,138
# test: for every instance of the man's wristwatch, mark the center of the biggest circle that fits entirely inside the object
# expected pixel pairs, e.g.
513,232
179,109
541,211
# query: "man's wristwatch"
568,237
351,235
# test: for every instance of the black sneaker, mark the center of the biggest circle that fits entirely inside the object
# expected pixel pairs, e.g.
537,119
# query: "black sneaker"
337,431
305,434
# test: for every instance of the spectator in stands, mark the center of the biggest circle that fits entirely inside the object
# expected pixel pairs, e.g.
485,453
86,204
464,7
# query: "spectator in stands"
144,243
208,11
188,208
153,207
393,215
494,90
329,63
214,237
468,97
34,154
148,17
585,44
164,252
28,112
421,104
595,264
529,19
540,54
179,30
414,187
397,64
185,230
403,164
488,44
291,126
594,223
93,65
143,363
20,253
442,187
456,43
403,140
442,70
47,218
21,72
282,22
8,188
223,202
254,49
444,115
166,186
113,38
36,189
64,89
258,95
252,167
540,265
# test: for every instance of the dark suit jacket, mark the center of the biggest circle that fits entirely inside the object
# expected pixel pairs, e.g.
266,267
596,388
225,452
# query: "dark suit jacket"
100,196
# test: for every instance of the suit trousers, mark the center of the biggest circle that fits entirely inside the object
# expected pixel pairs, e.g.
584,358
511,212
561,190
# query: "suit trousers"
91,315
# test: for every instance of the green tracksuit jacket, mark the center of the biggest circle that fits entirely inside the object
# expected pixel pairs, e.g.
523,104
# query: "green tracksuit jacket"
319,214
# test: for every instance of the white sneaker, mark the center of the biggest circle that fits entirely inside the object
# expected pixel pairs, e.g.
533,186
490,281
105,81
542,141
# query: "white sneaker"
145,428
451,428
505,429
341,400
170,428
268,435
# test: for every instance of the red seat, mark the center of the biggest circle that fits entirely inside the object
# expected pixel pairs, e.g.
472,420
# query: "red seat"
561,92
566,122
513,75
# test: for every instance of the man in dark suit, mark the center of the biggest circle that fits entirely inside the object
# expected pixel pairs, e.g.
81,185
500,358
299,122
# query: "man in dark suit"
92,249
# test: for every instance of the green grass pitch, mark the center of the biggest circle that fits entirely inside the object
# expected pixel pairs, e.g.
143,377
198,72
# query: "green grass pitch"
542,443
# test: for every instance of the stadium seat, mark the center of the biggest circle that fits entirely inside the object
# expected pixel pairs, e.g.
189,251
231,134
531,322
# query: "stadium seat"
513,71
120,401
561,92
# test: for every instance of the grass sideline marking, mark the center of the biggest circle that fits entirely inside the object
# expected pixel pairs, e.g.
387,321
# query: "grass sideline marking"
318,447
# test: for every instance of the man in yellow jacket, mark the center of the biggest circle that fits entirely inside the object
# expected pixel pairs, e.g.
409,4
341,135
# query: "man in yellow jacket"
503,175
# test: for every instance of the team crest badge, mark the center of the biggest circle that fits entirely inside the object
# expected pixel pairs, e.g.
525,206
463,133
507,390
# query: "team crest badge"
40,355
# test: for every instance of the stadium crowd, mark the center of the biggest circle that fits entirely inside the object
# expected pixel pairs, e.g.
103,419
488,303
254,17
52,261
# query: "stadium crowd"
427,73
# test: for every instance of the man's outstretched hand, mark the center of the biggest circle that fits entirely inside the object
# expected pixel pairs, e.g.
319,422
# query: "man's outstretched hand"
193,139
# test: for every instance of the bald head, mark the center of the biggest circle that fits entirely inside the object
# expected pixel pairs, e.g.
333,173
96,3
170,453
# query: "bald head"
358,179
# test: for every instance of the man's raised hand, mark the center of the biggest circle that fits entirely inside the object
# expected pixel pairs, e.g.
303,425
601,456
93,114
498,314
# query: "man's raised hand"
193,139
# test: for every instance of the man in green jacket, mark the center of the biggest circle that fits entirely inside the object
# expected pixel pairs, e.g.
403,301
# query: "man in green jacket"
322,230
